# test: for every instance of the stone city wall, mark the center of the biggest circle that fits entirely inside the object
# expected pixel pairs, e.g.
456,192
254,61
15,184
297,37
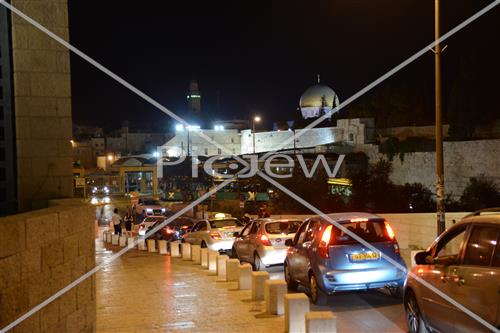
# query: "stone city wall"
412,230
41,252
462,160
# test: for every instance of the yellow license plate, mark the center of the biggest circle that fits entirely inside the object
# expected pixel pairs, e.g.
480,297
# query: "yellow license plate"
365,256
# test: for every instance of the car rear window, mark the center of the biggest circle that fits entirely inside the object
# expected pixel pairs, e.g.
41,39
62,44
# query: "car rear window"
371,231
282,227
224,223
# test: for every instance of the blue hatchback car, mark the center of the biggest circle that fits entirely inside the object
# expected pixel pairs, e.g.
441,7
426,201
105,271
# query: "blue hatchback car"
326,259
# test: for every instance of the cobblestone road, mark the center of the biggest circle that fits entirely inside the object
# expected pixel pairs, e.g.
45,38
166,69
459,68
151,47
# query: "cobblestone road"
147,292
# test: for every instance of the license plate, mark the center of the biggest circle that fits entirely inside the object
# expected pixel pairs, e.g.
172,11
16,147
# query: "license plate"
365,256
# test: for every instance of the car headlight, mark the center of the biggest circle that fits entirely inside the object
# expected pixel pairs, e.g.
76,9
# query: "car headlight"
106,189
163,210
142,232
149,210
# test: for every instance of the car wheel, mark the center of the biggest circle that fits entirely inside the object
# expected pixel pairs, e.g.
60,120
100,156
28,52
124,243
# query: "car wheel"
318,296
290,282
257,263
413,315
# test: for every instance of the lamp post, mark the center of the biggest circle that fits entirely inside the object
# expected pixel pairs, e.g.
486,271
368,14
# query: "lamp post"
441,224
256,119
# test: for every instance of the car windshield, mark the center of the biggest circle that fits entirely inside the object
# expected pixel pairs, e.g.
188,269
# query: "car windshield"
371,231
282,227
224,223
150,202
153,219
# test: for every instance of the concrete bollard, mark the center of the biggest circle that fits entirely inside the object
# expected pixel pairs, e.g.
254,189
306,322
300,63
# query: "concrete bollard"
221,267
296,307
108,237
204,257
321,322
196,254
151,245
245,277
174,249
122,241
162,246
104,236
141,244
212,261
258,280
232,268
186,251
274,295
130,242
114,239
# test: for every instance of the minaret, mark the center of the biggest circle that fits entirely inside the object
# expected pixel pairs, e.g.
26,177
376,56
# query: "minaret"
194,97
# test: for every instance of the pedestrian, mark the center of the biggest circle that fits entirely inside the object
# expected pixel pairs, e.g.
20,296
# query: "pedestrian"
128,223
265,212
116,219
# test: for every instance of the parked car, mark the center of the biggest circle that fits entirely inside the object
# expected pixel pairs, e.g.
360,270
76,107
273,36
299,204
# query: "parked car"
262,242
215,234
464,264
149,207
148,222
326,259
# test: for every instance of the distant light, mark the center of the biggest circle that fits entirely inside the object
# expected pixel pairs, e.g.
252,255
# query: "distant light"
156,154
193,127
179,127
172,152
94,201
110,157
220,215
257,119
219,127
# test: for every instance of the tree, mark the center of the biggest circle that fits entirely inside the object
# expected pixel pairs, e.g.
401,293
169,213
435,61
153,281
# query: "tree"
480,193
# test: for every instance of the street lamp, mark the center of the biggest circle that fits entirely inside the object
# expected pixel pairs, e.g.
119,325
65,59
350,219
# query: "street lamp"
256,119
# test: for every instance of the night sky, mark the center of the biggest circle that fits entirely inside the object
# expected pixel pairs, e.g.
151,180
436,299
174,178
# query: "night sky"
260,56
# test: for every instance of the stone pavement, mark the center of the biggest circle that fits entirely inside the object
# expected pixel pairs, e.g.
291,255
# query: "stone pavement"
147,292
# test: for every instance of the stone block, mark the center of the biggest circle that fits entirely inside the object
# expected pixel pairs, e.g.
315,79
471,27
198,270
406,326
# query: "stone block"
196,254
41,228
274,296
10,270
131,242
84,293
321,322
232,270
68,303
49,316
245,277
30,324
23,128
212,261
221,266
122,241
70,247
60,85
75,322
174,249
31,262
13,302
186,251
12,235
296,307
162,246
60,276
258,282
151,245
22,86
115,239
52,255
204,257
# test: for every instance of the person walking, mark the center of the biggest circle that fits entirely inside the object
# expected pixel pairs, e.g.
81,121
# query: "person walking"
116,219
128,223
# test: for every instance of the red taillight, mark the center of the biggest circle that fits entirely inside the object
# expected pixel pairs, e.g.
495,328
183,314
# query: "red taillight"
325,241
264,240
389,230
170,231
215,235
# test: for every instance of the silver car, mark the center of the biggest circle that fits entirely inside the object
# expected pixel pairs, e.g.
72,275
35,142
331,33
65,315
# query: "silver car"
262,242
464,264
215,234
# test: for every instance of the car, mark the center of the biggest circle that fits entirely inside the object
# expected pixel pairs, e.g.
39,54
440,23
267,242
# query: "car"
149,207
464,264
174,230
148,222
326,259
216,234
262,242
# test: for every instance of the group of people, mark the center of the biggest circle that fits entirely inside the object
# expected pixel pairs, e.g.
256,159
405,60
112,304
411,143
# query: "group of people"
117,221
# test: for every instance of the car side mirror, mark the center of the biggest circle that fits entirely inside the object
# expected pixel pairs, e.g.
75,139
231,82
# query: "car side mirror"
289,242
421,258
236,234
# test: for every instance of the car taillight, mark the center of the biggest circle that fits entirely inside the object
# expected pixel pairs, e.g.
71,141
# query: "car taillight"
264,240
392,236
325,241
215,235
170,231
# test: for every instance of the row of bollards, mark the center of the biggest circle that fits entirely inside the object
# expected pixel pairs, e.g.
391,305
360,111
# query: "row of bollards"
295,307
